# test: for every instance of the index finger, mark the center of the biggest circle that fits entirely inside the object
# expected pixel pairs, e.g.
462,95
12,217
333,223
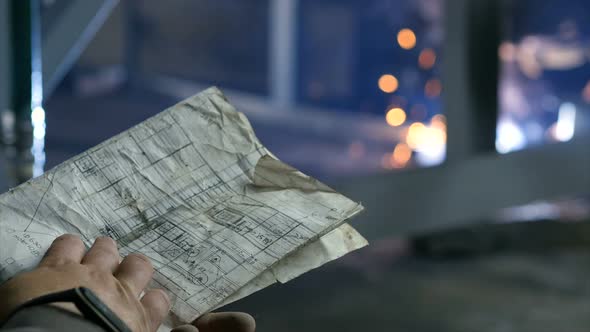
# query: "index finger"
67,248
135,271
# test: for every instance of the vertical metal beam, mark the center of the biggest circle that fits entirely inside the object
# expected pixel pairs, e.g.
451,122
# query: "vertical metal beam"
471,76
36,117
283,56
5,56
27,92
5,80
22,55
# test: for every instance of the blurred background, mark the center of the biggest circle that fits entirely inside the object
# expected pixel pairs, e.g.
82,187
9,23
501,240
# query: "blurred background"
463,127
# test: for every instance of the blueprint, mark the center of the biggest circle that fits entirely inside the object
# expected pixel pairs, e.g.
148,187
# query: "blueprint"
194,190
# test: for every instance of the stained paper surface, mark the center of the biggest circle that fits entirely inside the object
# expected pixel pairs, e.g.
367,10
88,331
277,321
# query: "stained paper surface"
193,189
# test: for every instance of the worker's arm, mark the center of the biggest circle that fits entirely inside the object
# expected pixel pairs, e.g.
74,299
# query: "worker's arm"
118,285
48,319
53,319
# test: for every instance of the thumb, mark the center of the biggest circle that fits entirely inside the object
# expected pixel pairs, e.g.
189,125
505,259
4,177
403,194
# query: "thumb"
185,328
226,321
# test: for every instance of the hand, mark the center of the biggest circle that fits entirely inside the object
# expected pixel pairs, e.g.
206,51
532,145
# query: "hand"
67,265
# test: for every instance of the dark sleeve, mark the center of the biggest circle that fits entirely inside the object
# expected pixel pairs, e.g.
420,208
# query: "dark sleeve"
47,319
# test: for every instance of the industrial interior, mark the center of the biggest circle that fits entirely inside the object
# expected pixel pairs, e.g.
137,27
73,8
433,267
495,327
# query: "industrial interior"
463,127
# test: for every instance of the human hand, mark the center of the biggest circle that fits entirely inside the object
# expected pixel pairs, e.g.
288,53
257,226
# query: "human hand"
67,265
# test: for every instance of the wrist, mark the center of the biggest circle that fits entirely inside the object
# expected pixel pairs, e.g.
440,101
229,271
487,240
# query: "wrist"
49,318
67,306
82,302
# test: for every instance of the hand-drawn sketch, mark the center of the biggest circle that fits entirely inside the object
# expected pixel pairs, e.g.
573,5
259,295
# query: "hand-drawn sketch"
194,190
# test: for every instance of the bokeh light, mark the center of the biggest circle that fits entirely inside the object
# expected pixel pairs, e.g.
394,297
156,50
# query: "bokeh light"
526,57
386,161
432,88
509,136
414,134
439,121
395,117
566,122
401,155
406,39
427,58
432,138
388,83
507,51
422,138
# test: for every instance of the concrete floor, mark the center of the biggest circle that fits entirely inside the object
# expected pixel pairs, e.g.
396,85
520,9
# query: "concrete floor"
509,292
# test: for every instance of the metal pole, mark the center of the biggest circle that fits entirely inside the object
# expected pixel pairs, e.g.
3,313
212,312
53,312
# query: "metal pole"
5,62
25,140
282,73
471,77
5,80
